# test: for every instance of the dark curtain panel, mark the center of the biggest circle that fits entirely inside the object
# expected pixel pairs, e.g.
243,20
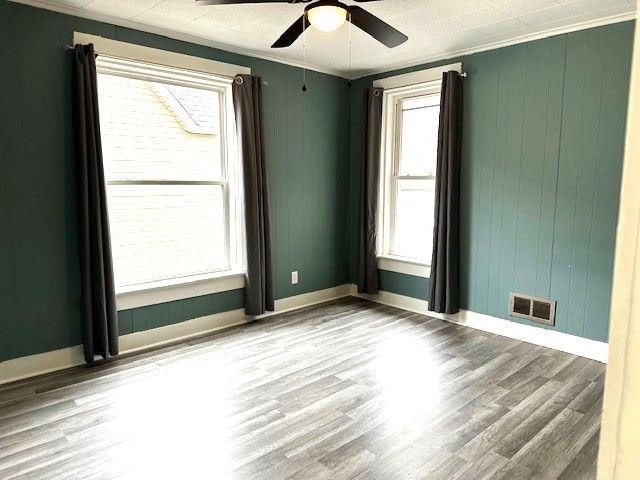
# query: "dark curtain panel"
247,100
445,264
367,255
100,317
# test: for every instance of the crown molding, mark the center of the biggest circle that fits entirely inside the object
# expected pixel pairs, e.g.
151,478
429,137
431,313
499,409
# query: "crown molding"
174,34
185,37
530,37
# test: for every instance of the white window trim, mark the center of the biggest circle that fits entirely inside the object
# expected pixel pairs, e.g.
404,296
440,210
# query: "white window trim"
115,48
197,285
407,266
423,82
416,78
178,289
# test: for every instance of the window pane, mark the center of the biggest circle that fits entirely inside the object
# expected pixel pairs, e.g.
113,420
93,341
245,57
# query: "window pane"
153,131
419,136
414,211
166,231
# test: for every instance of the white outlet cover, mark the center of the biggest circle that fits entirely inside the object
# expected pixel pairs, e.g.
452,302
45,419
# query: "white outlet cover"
294,278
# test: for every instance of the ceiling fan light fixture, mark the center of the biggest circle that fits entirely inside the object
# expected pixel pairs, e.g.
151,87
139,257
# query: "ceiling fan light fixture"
327,18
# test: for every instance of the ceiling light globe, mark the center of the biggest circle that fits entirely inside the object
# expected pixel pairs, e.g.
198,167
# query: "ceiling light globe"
327,18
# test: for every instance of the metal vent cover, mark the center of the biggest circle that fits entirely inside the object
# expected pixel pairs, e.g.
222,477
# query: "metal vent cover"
540,310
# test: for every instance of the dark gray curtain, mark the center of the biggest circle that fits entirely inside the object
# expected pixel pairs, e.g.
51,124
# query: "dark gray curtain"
445,261
370,173
99,314
247,100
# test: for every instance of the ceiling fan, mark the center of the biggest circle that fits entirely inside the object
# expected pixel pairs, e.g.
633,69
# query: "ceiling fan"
327,16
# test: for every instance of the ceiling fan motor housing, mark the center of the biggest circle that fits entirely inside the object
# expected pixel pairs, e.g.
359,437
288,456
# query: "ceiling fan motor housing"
325,3
328,20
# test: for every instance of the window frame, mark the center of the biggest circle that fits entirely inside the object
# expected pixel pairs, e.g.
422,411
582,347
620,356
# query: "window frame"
397,88
392,171
227,180
390,168
210,75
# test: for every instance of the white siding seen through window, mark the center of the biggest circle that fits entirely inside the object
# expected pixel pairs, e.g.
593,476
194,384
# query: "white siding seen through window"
167,177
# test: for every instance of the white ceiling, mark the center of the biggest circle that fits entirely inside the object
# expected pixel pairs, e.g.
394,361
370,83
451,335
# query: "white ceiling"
436,28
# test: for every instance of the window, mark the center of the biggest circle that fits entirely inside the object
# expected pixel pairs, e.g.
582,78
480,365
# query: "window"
409,168
171,175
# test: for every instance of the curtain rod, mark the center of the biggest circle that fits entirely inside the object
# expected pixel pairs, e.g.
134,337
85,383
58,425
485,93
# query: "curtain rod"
264,82
71,47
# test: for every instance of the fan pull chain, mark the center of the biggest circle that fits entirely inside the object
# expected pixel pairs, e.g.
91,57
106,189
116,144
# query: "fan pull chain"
304,53
350,52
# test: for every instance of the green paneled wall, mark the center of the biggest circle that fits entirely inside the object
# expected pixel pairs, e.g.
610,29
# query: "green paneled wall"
168,313
544,129
544,126
308,173
402,284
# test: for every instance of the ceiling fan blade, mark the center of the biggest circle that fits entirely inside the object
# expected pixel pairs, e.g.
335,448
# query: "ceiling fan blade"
381,31
239,2
292,33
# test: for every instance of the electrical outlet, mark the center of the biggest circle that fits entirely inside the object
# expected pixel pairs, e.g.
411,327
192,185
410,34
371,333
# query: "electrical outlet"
294,278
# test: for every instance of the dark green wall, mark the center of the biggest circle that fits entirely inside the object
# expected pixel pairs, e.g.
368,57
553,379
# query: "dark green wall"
544,127
307,150
540,189
154,316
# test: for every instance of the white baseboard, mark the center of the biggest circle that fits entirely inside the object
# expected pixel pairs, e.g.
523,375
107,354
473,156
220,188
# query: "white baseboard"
41,363
158,337
309,299
564,342
25,367
32,365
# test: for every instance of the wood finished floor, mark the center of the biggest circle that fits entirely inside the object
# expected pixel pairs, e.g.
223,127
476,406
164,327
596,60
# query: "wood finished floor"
345,390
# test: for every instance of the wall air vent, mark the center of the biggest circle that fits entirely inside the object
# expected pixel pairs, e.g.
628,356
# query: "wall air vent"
536,309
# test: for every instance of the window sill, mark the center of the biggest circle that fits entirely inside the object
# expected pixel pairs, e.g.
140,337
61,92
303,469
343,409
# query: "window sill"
403,265
172,290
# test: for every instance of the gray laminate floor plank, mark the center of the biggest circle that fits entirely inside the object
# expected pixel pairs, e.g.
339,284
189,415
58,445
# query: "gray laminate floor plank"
344,390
